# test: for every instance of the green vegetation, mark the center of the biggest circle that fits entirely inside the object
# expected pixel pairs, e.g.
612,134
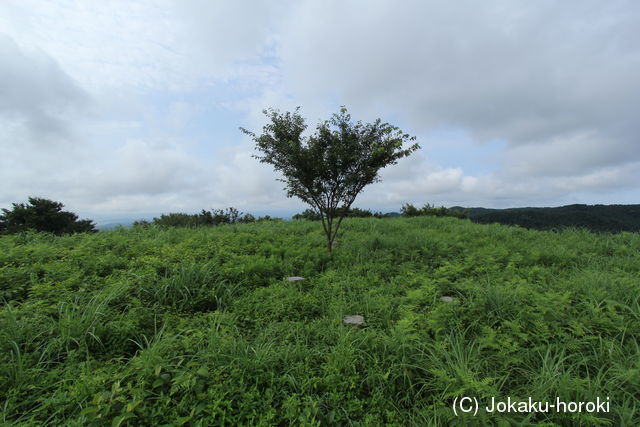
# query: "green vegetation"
601,218
42,215
204,218
154,325
311,215
328,169
428,210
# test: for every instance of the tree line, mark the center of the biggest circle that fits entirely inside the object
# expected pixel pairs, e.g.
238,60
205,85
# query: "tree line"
46,215
598,218
204,218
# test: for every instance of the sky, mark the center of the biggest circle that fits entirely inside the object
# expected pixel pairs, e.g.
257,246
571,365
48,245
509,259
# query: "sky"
125,109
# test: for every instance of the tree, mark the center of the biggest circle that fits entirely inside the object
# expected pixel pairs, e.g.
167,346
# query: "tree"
42,215
328,169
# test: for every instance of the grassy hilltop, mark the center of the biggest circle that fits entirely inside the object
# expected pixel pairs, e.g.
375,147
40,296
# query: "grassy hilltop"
145,326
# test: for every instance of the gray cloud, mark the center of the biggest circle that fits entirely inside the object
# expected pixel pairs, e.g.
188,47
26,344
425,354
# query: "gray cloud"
220,32
146,168
556,81
35,92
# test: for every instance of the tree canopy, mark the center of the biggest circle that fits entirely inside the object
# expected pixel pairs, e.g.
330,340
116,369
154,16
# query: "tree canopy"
42,215
329,168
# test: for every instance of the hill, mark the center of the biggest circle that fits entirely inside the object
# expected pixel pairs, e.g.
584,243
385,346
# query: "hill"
150,326
600,218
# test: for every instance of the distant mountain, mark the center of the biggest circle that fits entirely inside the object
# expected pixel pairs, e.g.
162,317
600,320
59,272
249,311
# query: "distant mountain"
473,212
606,218
112,225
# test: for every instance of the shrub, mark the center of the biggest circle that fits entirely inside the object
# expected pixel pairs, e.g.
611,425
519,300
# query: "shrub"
204,218
311,215
42,215
427,210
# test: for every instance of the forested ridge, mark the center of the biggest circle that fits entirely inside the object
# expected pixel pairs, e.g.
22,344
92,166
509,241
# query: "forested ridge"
600,218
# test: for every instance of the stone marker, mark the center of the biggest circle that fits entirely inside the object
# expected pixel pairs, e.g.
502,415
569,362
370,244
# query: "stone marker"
355,320
295,278
446,299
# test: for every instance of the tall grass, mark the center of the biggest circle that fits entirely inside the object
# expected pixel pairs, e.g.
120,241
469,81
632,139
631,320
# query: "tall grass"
147,326
191,287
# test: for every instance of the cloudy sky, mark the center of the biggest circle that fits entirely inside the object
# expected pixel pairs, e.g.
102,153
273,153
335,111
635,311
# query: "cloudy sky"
120,108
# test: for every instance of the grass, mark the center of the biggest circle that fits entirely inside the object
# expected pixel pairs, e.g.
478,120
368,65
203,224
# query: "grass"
198,326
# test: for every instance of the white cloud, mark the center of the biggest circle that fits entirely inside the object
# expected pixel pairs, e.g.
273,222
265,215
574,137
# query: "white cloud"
142,167
142,45
222,32
240,180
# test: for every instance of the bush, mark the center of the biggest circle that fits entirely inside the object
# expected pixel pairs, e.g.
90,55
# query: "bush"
204,218
311,215
308,214
427,210
42,215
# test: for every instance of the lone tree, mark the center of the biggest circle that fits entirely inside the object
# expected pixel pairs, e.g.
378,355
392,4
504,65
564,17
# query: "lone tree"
42,215
330,168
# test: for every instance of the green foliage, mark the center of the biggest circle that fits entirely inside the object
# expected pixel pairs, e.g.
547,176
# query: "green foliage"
191,287
427,210
170,326
42,215
328,169
311,215
599,218
204,218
